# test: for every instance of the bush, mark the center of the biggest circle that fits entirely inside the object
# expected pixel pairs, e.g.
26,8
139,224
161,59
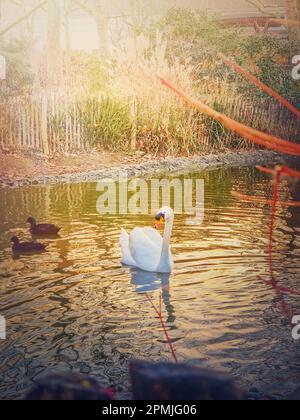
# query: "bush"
107,122
201,36
195,32
269,59
86,72
19,75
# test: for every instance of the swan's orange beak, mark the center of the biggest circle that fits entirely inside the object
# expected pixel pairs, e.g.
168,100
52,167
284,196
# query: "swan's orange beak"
159,222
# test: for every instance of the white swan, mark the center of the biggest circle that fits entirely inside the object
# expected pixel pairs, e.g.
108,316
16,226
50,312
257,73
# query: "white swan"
145,249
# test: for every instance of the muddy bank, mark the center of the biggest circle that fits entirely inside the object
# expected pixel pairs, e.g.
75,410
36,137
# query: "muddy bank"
151,167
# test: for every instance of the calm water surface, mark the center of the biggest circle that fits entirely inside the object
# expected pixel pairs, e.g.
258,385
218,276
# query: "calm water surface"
75,308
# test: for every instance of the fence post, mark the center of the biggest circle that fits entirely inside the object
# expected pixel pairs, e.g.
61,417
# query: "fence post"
44,124
133,112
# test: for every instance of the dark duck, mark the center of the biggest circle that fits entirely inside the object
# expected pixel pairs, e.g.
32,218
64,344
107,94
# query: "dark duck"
42,229
26,247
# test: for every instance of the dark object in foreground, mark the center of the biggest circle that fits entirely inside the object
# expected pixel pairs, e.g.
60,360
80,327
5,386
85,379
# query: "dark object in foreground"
68,387
295,396
42,229
156,382
26,247
165,382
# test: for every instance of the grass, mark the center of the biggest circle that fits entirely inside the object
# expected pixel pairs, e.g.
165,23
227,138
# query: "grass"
133,110
106,122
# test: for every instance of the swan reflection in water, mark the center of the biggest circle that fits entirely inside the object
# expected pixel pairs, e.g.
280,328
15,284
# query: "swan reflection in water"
145,282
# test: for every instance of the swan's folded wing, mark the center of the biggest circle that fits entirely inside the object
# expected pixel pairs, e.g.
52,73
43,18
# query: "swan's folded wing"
154,235
145,252
124,244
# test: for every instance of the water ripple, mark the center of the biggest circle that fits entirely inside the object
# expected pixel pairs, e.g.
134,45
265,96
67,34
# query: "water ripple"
75,308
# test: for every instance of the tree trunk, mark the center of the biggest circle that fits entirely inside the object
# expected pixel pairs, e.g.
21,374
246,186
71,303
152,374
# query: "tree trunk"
54,51
293,13
102,27
67,46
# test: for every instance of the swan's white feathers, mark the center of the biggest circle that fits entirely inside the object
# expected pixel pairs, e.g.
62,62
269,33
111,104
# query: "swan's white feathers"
154,235
145,249
145,252
126,254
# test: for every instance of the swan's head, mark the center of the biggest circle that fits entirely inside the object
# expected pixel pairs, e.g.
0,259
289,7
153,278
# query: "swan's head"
165,214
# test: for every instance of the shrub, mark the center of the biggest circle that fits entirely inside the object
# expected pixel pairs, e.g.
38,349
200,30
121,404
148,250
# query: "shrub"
201,36
106,122
269,59
19,75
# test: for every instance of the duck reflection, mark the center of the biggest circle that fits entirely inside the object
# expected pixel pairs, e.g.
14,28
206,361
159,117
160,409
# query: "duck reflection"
145,282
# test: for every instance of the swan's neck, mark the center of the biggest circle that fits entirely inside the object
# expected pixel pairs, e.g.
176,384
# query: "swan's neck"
165,264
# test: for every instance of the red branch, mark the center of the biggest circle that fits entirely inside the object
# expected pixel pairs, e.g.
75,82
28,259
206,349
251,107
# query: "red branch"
283,169
263,139
258,137
286,309
266,170
273,217
290,172
159,314
277,174
286,22
261,200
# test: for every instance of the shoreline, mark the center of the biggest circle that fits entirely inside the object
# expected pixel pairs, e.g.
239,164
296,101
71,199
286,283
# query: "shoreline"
152,167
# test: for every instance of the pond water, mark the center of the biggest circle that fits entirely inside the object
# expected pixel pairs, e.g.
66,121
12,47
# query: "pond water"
76,308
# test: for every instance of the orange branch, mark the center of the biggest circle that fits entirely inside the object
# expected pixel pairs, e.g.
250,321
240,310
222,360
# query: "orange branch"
266,170
159,314
261,200
290,172
258,137
286,22
283,169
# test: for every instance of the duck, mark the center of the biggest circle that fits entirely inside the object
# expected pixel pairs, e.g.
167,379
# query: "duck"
146,249
42,229
26,247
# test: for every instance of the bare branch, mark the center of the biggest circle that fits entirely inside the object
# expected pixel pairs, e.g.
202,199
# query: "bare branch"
261,8
24,17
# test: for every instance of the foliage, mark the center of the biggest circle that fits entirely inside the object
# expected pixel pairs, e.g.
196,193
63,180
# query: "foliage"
86,71
121,100
198,32
19,77
107,122
268,58
201,36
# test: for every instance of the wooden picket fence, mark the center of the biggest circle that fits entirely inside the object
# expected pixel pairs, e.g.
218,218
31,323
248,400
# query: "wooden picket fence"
51,123
265,115
46,122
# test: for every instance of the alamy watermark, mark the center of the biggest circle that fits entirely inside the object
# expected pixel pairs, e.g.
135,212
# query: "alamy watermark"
2,67
140,196
2,328
296,329
296,68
